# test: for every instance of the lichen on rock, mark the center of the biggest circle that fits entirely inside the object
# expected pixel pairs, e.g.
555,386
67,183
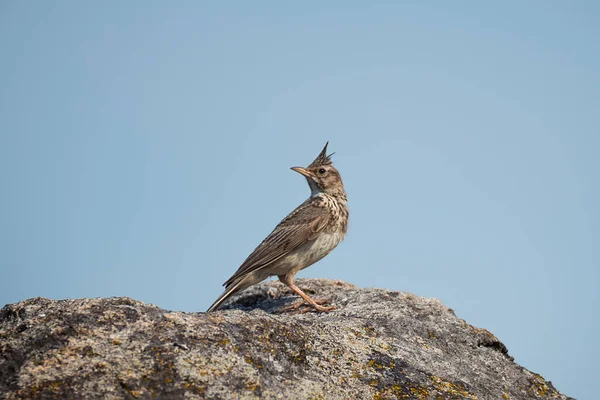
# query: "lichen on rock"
378,344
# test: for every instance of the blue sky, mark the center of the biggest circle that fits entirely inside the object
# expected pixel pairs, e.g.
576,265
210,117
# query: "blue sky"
145,151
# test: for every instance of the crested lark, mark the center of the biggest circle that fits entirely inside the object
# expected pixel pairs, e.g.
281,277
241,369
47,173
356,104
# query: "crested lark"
302,238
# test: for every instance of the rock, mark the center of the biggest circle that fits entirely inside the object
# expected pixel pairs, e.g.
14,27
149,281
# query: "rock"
379,344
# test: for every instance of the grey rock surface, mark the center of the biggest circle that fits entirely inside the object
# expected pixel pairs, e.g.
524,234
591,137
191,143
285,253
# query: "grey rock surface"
379,344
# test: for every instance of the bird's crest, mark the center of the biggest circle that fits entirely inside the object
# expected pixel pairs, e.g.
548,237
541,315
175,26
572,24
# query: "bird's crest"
322,158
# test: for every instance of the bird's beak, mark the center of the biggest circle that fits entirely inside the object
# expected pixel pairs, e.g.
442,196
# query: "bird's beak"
302,171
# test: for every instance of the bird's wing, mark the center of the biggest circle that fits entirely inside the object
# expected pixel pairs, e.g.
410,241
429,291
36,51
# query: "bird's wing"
305,223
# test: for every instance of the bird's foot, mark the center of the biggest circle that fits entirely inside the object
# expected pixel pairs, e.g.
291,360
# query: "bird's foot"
301,307
297,307
319,308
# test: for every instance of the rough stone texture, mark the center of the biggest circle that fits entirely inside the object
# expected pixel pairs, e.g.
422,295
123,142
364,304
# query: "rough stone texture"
379,344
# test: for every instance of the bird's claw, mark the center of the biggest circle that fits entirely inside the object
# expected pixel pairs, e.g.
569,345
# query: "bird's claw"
301,307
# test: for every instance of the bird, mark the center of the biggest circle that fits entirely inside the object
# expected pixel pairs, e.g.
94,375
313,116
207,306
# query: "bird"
305,236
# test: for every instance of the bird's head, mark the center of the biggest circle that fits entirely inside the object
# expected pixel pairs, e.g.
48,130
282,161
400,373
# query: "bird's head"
322,177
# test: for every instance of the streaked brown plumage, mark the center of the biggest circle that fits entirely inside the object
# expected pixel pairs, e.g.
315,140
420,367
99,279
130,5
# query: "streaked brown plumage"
302,238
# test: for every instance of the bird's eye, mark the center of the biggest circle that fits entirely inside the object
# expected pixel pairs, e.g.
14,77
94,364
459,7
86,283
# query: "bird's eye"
322,171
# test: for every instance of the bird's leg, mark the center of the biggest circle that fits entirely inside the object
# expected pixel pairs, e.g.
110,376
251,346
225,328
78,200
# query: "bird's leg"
288,280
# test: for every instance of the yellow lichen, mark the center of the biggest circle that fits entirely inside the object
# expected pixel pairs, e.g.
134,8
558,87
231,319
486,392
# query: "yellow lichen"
420,393
395,391
373,364
541,387
251,385
542,390
54,386
252,362
452,388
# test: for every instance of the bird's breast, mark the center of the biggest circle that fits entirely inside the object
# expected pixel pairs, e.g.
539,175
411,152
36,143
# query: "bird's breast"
307,254
318,248
324,243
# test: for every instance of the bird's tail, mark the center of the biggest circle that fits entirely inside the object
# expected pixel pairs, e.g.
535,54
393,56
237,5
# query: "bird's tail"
236,287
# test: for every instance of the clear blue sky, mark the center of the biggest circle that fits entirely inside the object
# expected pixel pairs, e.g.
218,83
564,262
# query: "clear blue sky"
145,151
